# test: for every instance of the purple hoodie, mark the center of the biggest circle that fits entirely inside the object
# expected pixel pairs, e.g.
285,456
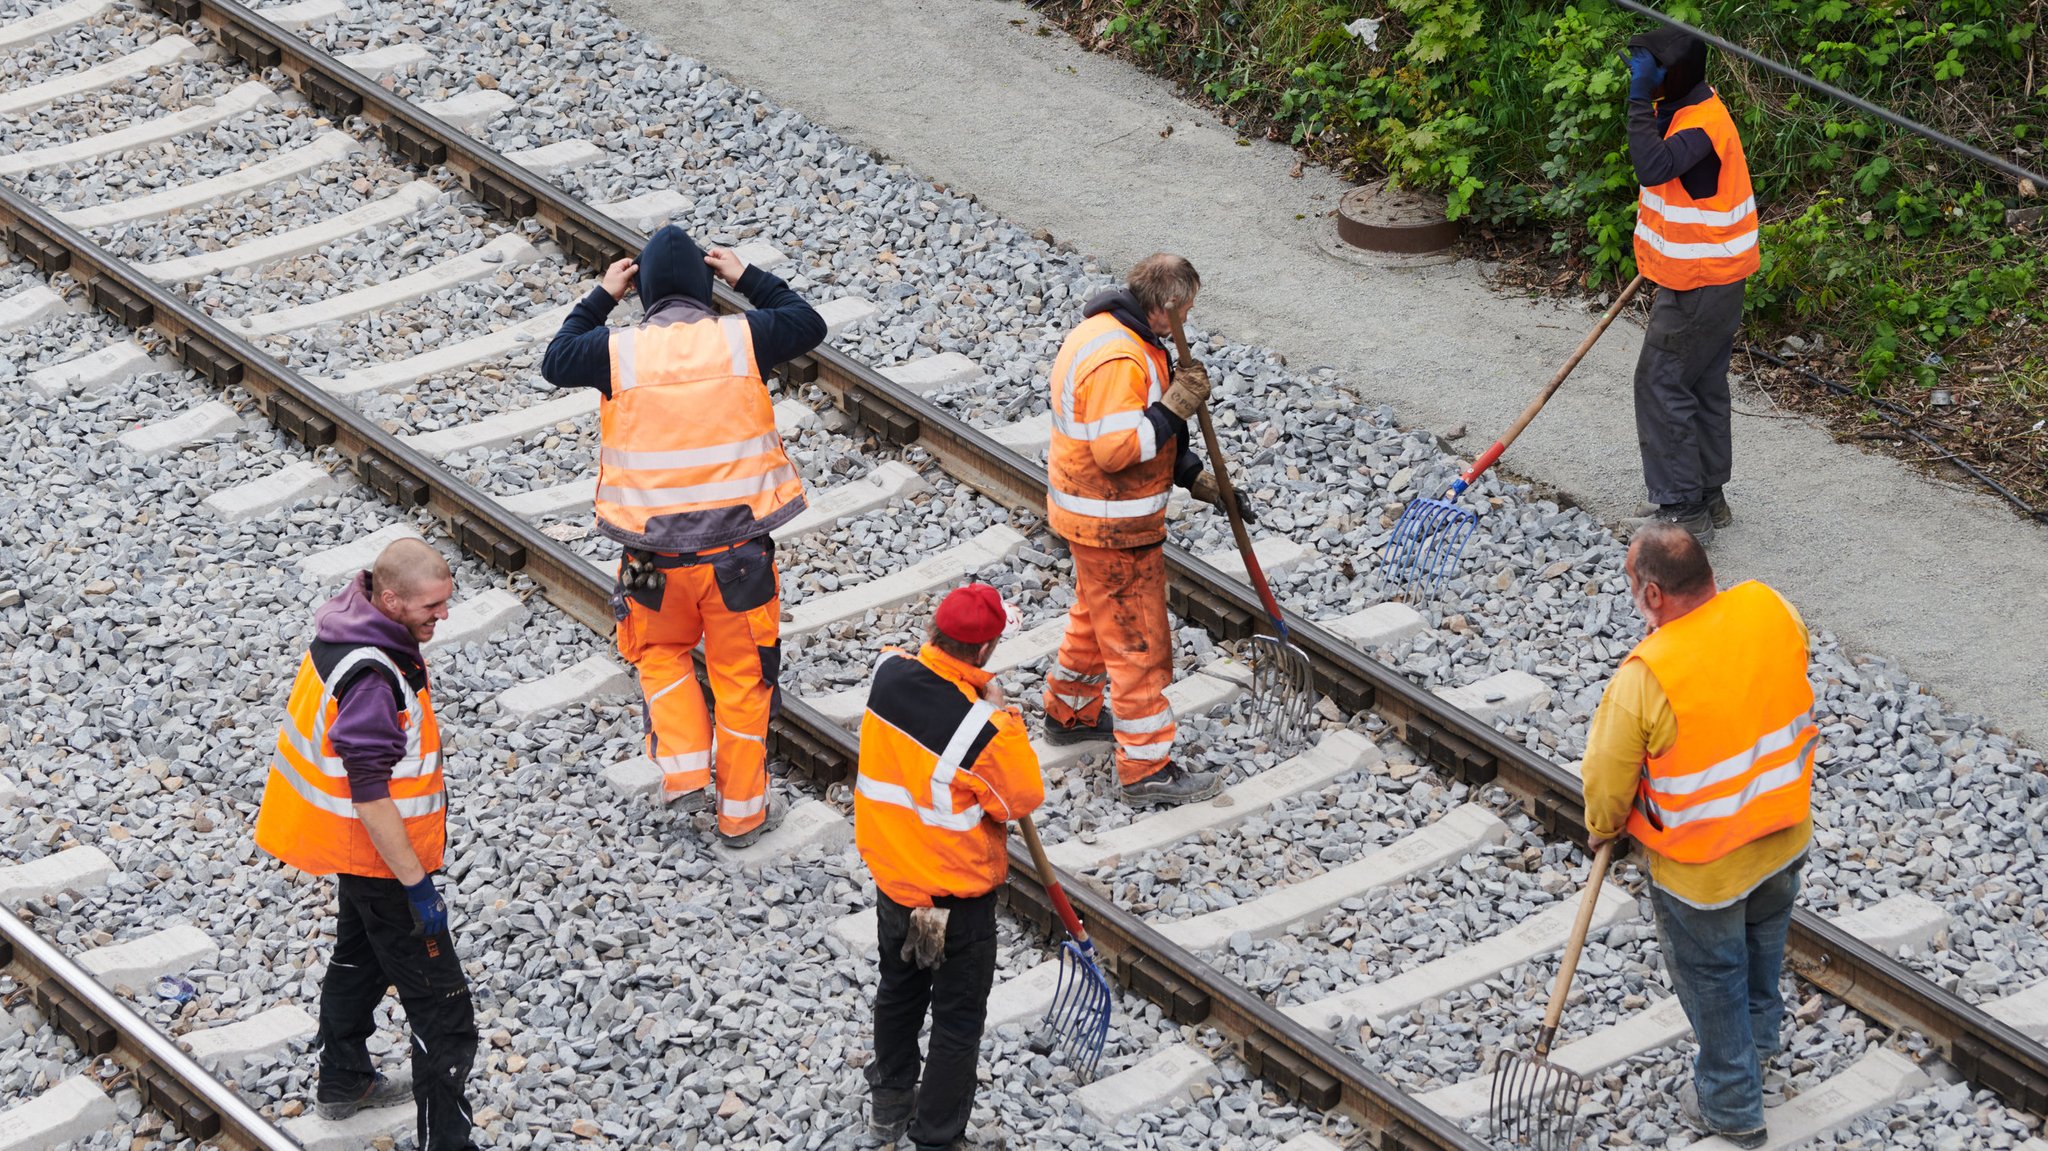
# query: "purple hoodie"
366,731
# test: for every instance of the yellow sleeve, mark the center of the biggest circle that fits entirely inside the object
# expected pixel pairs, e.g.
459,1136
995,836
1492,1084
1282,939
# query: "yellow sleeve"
1633,723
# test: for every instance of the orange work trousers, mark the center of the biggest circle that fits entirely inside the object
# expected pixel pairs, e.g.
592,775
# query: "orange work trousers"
1117,631
731,599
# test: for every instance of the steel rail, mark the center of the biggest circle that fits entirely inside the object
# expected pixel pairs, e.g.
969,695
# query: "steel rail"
1991,1053
166,1078
1310,1067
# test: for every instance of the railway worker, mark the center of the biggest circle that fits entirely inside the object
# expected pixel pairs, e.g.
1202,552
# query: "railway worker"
355,791
1702,750
691,479
1119,444
944,764
1696,239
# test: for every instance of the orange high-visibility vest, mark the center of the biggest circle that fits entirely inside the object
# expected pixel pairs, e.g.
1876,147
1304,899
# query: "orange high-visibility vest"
1734,669
1087,503
1683,243
308,819
941,771
690,457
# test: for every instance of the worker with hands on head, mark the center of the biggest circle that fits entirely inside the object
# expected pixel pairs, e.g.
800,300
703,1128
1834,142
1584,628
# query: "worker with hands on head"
945,763
692,477
1696,239
1119,443
355,790
1702,752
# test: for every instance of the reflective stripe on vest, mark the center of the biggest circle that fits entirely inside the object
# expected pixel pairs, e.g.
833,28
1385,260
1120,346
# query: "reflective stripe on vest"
308,818
1085,502
1682,243
690,457
1741,766
939,811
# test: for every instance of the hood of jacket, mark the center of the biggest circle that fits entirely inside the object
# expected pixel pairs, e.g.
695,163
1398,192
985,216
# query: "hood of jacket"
672,271
1684,57
1119,302
350,618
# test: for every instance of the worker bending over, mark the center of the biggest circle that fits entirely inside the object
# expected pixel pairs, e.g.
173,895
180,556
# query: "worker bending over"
691,478
355,791
1696,239
1119,444
944,764
1702,750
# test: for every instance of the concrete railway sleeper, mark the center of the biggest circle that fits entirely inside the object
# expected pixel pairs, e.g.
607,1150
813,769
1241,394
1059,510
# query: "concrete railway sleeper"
1454,735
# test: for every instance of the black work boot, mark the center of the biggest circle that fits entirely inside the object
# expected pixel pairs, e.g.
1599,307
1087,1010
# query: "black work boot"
889,1114
1171,786
1103,728
383,1091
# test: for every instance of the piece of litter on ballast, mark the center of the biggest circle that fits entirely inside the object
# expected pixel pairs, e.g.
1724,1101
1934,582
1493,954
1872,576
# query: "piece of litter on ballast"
1496,696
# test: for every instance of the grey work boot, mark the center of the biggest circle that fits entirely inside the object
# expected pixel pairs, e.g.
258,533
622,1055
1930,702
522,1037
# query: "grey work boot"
383,1091
1692,517
1171,786
776,810
1717,509
1689,1110
1103,728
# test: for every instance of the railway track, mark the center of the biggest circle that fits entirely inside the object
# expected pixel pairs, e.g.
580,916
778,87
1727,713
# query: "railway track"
1214,962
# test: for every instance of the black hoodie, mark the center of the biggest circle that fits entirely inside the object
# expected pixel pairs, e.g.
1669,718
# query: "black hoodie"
675,287
1689,156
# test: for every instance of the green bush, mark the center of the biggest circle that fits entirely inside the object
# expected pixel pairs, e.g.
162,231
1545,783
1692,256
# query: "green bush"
1515,111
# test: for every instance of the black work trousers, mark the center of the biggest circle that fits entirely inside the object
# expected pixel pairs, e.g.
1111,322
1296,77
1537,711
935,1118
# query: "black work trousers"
375,951
1682,403
957,996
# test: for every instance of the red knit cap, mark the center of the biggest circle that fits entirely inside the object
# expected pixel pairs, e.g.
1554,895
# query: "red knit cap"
972,614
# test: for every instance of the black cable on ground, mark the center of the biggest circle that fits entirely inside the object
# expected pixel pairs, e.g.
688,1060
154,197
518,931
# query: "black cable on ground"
2039,181
1885,410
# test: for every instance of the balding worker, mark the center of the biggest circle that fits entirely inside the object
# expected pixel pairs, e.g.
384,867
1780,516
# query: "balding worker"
1702,752
355,791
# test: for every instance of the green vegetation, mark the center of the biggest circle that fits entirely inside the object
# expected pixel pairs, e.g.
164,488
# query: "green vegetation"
1514,110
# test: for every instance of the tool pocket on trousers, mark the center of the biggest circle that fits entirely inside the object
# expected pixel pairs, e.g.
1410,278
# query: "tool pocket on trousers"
746,575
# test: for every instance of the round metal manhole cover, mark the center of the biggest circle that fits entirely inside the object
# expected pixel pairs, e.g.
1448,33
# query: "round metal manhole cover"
1382,219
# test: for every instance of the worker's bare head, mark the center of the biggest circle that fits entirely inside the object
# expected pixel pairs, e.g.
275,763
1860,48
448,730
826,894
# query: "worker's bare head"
1668,572
410,583
1164,286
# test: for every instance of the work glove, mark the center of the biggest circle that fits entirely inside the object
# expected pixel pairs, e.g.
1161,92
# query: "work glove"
926,943
429,911
1644,74
1204,489
1189,392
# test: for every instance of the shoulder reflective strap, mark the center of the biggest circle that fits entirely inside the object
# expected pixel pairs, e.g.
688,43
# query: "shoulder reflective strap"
739,339
622,359
1063,414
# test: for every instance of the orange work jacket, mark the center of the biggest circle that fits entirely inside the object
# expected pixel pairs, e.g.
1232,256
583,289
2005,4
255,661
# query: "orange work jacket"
941,771
690,457
1741,767
1683,243
1108,475
308,819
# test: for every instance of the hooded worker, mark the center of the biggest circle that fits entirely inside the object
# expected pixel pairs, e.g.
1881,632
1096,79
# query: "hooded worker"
1696,239
691,479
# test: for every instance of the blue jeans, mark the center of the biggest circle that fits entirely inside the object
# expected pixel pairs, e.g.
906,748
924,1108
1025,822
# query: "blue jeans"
1724,965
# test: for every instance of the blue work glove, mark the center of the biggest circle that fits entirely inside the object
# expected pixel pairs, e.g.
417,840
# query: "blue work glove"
429,911
1644,74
